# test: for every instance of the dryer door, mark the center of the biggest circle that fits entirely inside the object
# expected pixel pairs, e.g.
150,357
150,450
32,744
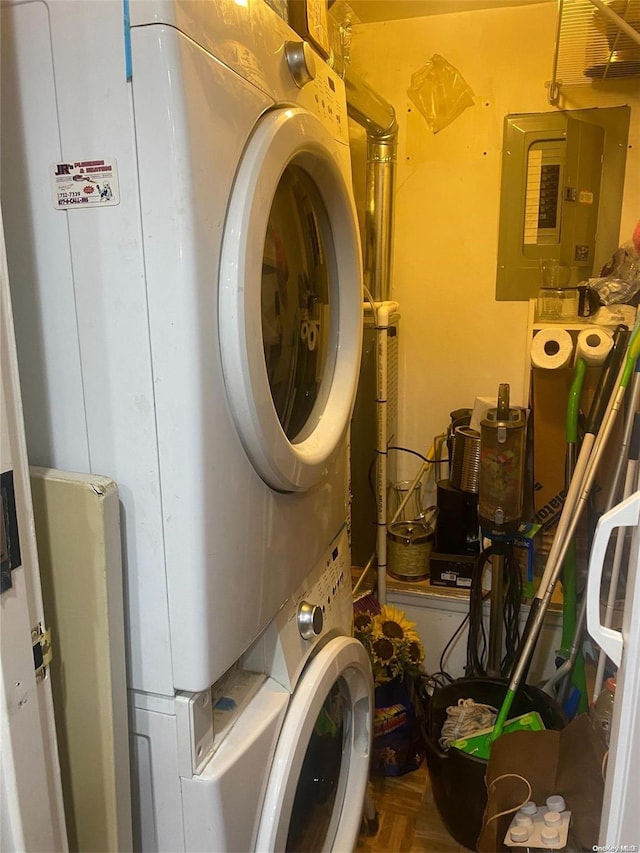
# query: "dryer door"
290,299
320,768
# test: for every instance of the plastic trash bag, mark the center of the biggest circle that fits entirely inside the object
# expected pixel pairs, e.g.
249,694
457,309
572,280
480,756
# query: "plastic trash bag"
619,280
440,92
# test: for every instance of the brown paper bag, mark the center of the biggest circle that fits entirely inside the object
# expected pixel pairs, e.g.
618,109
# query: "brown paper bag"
567,762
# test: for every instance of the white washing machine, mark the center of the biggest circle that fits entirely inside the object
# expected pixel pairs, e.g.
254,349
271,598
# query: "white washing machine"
186,277
276,756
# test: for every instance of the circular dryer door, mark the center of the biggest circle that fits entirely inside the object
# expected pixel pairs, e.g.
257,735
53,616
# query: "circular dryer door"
290,299
318,779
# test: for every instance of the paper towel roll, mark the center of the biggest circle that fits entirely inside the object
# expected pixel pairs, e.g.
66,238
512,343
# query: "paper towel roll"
551,349
594,345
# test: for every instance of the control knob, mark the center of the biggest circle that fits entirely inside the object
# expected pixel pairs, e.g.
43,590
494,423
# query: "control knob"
301,61
310,620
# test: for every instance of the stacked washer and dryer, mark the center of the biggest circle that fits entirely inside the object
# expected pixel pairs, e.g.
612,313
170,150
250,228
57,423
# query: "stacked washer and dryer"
184,260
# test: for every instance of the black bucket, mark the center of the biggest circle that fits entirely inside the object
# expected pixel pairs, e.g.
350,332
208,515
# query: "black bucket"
457,779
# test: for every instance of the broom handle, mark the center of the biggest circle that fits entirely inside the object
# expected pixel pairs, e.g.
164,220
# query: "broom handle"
539,604
576,498
599,413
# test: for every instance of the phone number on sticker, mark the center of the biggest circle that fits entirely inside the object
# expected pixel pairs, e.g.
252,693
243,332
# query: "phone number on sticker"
81,200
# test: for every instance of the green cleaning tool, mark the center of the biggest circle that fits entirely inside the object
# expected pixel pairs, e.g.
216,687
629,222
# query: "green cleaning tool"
573,627
570,628
601,421
569,592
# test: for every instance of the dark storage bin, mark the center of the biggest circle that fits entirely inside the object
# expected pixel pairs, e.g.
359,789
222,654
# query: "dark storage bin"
457,779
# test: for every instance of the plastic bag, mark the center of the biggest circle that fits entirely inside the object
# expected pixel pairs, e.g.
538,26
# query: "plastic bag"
619,280
440,92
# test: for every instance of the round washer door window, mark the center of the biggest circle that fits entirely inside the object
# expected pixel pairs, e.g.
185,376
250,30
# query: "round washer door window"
319,773
290,301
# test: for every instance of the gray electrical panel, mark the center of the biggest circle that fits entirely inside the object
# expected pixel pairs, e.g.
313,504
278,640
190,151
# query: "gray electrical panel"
553,177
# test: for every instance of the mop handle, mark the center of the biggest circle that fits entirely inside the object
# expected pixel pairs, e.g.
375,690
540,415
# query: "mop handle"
600,410
633,404
576,497
609,379
573,405
615,376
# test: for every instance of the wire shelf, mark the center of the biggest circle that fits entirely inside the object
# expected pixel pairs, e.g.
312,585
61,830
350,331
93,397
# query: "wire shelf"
595,41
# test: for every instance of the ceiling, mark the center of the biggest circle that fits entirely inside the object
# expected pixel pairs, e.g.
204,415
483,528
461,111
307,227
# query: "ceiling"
372,11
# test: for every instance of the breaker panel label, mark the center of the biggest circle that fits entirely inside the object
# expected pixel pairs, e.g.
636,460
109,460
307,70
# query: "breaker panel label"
84,183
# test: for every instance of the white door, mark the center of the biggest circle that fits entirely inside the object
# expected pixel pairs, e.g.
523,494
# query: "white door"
319,773
290,299
31,810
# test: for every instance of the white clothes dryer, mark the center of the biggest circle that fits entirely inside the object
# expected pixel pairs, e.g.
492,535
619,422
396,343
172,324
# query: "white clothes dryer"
276,757
185,260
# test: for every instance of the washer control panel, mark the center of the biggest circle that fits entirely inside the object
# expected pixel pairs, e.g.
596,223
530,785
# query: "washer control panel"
320,608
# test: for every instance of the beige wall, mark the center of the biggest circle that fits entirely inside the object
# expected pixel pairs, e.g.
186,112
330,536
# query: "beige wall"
456,341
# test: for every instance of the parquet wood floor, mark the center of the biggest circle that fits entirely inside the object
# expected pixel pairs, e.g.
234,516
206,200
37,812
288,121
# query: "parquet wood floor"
408,819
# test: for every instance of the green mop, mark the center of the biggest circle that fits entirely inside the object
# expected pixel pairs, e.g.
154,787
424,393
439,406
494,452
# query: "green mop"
604,414
569,600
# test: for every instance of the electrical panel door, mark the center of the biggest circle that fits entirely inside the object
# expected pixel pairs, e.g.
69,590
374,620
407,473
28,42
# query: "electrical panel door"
550,192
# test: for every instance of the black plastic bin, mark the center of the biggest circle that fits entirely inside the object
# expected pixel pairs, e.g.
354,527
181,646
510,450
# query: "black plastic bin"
457,779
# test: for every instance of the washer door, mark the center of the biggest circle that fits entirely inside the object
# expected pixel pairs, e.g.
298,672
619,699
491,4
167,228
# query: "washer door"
320,769
290,299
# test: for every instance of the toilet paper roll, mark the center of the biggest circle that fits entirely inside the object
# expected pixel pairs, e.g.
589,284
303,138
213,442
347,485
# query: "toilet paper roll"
594,345
551,349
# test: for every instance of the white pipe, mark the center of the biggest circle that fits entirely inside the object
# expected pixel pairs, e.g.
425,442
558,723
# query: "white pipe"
383,311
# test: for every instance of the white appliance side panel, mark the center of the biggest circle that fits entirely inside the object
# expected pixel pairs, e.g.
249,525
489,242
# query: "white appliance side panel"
620,823
223,803
31,807
38,243
191,126
157,798
246,547
90,279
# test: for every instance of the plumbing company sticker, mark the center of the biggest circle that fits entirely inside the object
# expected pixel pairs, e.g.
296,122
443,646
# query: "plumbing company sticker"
84,183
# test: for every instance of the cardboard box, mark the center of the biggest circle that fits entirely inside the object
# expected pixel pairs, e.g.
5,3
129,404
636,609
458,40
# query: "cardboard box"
550,394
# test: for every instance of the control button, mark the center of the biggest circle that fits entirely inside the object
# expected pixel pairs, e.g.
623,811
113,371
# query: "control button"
301,62
310,620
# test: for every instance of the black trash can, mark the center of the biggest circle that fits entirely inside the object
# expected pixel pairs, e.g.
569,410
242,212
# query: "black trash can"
457,779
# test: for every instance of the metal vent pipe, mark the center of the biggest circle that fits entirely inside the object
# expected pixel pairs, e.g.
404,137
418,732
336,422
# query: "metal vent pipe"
378,118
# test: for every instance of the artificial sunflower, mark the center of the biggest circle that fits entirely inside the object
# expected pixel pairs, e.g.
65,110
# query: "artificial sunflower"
392,642
363,622
392,623
415,652
383,651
